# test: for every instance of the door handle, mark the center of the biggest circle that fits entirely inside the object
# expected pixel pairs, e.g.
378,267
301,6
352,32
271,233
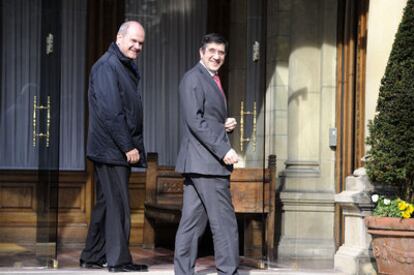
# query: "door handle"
253,136
37,108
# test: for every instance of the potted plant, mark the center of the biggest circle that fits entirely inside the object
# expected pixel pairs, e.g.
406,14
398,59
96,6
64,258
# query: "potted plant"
390,159
392,229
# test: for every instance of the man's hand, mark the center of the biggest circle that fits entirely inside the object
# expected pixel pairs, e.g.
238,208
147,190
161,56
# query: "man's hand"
231,157
132,156
230,124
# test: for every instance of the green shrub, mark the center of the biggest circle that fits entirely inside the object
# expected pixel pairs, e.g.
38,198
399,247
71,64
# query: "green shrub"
390,159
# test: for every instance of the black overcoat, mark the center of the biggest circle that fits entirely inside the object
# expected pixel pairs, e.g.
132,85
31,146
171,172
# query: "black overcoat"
115,110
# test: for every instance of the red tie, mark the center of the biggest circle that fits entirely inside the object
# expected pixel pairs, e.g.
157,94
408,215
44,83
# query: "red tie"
218,82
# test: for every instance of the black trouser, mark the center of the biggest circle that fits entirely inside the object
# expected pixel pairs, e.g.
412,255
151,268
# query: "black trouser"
207,199
108,234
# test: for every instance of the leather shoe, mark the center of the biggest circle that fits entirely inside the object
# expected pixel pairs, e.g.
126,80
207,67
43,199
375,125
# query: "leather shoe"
91,265
128,268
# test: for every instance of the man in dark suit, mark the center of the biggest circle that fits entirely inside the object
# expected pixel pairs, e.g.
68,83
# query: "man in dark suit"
115,143
205,159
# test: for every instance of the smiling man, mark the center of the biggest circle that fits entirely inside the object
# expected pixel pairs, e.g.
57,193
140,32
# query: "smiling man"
115,143
206,160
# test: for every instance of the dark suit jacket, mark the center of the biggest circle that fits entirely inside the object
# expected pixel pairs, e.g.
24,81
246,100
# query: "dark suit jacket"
203,109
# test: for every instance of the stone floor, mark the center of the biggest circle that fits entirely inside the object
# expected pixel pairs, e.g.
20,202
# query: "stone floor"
14,260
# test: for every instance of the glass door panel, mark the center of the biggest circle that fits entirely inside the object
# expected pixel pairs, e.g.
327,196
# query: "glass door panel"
256,171
29,131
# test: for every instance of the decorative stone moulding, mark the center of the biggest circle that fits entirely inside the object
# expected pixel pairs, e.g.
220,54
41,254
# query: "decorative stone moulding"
392,244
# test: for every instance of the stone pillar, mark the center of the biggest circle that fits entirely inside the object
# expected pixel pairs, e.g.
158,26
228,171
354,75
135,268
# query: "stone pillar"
355,255
307,238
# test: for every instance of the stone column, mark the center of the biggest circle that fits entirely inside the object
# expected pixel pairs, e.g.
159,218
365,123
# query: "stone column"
307,198
355,255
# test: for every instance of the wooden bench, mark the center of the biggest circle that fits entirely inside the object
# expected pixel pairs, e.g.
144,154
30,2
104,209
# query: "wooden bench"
253,197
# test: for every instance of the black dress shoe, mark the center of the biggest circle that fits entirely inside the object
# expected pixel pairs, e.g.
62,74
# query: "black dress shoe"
91,265
128,268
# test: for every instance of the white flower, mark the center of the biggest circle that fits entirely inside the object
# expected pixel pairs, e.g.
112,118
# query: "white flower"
375,197
387,201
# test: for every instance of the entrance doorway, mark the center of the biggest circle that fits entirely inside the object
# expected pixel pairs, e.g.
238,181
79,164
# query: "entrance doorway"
41,159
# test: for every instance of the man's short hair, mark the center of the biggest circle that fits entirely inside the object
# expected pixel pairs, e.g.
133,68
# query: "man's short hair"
213,38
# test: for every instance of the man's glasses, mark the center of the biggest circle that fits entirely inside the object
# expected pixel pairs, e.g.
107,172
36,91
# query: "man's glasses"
213,51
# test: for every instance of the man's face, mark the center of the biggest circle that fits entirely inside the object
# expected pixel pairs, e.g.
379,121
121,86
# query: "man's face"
213,56
131,43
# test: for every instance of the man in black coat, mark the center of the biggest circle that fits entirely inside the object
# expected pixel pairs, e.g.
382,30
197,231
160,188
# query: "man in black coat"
115,143
206,160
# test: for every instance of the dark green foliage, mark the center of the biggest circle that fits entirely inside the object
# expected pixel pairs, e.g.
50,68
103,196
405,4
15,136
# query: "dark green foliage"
391,156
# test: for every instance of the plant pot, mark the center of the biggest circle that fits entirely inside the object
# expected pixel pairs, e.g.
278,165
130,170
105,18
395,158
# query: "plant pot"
392,244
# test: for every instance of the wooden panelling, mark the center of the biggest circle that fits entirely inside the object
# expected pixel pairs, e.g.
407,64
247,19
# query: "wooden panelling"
253,228
18,219
72,234
20,233
136,197
18,206
72,205
71,197
137,192
19,198
248,197
136,201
